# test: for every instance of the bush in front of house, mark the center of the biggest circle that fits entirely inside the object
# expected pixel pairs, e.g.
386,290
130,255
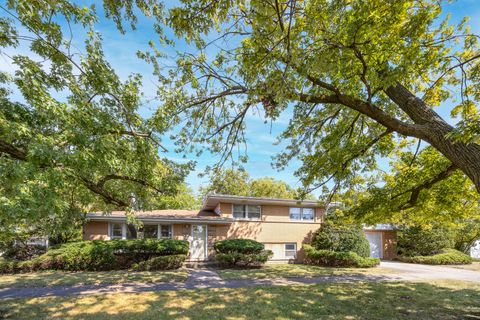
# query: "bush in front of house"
23,252
332,258
241,252
160,263
418,241
98,255
444,256
340,237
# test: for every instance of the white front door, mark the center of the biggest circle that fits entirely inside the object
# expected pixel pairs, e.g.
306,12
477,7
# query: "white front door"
375,241
198,245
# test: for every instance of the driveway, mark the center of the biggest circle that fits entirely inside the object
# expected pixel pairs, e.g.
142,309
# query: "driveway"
411,271
207,278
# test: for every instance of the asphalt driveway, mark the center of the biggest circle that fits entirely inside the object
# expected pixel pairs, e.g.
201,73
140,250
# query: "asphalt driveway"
411,271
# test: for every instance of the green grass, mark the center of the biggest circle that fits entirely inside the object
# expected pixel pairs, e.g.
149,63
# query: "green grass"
296,270
440,300
51,278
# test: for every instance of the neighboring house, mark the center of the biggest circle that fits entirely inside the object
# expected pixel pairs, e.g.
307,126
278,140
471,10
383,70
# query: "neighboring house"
475,250
283,225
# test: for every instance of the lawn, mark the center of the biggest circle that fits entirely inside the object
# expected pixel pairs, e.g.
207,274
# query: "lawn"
297,270
51,278
366,300
475,266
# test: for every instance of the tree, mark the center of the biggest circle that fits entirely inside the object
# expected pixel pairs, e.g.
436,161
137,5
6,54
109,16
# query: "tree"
71,138
228,181
361,76
397,197
239,183
271,188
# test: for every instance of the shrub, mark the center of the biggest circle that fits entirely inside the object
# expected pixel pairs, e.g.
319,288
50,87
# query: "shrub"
8,266
341,238
241,252
416,241
244,260
23,252
445,256
245,246
161,263
331,258
99,255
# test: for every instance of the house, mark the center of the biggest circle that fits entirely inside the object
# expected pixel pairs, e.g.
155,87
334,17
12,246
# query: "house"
283,225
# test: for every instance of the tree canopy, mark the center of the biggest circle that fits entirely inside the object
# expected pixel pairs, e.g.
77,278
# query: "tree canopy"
363,79
239,182
358,81
71,137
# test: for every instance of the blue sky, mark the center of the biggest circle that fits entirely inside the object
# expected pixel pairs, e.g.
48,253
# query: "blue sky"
121,50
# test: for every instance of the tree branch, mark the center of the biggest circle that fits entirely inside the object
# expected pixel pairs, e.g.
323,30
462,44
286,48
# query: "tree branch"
415,191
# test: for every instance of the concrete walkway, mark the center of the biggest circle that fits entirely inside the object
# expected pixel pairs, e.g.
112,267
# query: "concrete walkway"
208,278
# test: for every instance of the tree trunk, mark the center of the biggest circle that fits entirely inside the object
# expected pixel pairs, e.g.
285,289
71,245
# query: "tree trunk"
434,130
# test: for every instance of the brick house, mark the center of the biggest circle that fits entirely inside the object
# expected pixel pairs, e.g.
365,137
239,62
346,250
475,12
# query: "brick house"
283,225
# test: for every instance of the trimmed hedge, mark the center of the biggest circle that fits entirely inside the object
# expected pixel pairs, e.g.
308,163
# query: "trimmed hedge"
341,238
161,263
245,246
331,258
98,255
241,252
446,256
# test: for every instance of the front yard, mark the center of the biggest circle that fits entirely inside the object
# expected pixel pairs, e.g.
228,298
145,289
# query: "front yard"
475,266
365,300
51,278
297,270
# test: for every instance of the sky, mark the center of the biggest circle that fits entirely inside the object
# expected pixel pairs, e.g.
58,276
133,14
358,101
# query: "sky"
120,51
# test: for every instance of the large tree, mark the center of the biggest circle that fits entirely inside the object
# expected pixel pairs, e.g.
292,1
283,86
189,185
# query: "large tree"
360,76
71,137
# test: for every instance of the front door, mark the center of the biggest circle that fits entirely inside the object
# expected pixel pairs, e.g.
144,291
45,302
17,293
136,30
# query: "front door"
375,241
199,242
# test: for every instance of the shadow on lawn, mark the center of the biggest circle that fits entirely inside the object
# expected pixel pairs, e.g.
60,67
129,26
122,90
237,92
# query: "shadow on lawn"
361,300
55,278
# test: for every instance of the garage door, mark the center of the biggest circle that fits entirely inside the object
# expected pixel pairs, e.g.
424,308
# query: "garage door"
375,241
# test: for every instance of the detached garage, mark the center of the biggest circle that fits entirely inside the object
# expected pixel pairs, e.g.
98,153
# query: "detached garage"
382,240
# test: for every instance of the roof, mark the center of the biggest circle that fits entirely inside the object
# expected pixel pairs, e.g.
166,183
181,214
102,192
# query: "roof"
211,201
163,215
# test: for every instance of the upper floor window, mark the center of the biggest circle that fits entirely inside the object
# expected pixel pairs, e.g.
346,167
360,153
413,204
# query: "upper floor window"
306,214
241,211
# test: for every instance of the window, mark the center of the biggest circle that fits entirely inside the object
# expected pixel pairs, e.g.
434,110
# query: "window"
290,250
165,231
150,231
241,211
307,214
116,230
295,214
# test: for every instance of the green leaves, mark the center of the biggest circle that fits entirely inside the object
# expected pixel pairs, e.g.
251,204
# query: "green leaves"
74,142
